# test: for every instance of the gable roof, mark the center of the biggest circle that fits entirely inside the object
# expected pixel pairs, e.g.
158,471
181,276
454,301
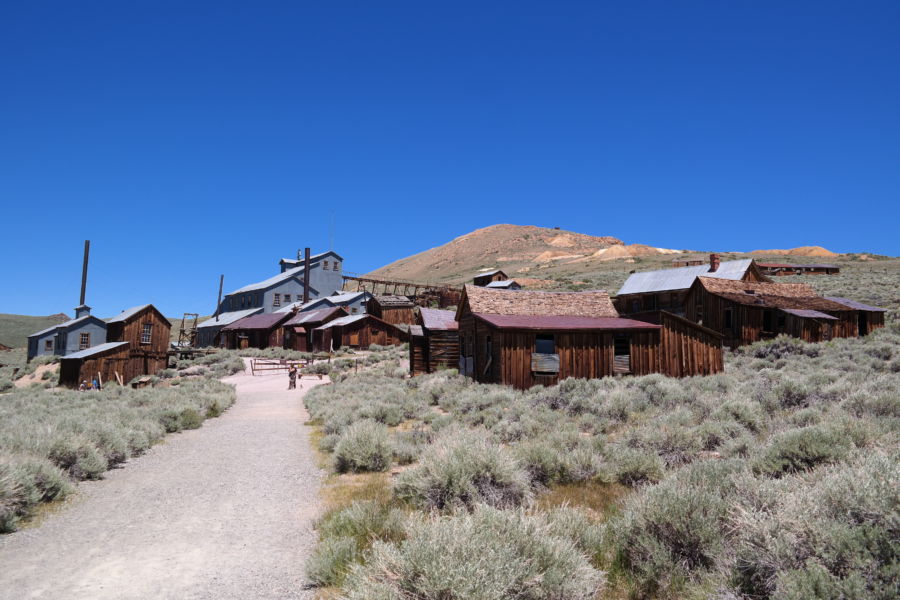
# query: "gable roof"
229,317
272,281
769,295
438,320
682,278
344,321
312,259
68,324
392,301
259,321
506,283
483,300
93,350
485,273
346,297
563,322
315,316
854,304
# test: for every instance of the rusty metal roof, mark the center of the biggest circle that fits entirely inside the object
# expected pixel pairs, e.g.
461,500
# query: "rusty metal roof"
316,316
561,323
260,321
440,320
228,318
854,304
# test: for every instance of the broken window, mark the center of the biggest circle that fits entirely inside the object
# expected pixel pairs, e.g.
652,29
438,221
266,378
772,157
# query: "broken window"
545,344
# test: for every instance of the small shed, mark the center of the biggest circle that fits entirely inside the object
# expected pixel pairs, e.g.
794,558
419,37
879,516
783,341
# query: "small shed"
868,318
110,361
262,330
298,331
434,342
745,312
392,309
486,277
357,331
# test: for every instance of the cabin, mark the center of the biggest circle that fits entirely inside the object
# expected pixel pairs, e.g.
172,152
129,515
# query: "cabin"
483,279
745,312
691,261
209,331
354,302
392,309
782,269
80,333
262,330
287,287
434,341
298,331
109,361
528,338
666,289
148,334
868,318
357,331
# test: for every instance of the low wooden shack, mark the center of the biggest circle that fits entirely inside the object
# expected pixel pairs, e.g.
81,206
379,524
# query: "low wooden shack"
868,318
434,344
357,331
392,309
782,269
147,332
108,361
526,338
298,331
483,279
746,312
262,330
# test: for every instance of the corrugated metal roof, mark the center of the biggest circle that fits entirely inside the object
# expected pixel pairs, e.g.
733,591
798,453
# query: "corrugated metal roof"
854,304
563,322
127,314
416,330
267,283
439,320
819,266
94,350
343,321
65,325
681,278
260,321
229,317
315,316
347,297
506,283
807,314
336,300
494,272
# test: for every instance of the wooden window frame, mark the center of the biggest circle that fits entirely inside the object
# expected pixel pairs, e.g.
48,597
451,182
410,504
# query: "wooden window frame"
543,337
147,333
324,265
337,266
84,340
287,298
276,299
48,345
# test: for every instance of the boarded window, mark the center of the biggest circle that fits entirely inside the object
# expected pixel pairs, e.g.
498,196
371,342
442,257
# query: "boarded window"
147,333
781,321
545,344
48,345
276,300
84,341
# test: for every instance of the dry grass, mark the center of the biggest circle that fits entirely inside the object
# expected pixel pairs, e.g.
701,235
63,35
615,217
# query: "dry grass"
600,500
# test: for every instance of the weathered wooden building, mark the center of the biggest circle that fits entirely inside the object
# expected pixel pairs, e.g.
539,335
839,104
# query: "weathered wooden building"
745,312
108,361
666,289
688,261
261,330
434,343
483,279
782,269
298,330
209,331
357,331
527,338
868,318
80,333
354,302
392,309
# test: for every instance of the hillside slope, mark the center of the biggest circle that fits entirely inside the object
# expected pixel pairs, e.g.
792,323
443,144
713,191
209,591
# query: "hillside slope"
15,329
516,249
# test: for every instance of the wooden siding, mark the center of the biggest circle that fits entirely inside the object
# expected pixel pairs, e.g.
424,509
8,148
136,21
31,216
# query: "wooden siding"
143,358
359,334
688,349
418,363
395,316
119,361
442,350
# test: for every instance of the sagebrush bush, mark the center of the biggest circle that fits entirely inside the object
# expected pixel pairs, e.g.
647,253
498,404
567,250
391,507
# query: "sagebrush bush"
464,468
364,446
485,554
803,448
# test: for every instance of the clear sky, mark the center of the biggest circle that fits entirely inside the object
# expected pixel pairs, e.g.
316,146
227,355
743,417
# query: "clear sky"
189,139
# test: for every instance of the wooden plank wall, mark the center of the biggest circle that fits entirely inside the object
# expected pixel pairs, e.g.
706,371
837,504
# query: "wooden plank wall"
418,363
396,316
687,349
442,350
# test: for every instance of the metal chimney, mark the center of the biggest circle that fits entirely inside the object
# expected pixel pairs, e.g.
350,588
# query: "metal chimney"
219,303
306,264
87,251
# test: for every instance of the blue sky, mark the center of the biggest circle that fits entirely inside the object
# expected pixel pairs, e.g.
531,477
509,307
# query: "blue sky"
192,139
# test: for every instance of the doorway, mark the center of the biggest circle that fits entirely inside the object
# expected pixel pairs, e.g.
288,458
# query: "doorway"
621,354
863,321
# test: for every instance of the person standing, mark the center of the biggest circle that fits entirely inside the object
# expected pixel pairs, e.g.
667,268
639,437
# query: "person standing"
292,377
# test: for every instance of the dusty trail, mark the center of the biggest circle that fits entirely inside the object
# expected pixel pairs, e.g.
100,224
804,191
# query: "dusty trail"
224,511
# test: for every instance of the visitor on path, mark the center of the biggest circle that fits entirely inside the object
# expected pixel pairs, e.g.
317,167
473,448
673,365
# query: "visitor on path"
96,384
292,377
83,386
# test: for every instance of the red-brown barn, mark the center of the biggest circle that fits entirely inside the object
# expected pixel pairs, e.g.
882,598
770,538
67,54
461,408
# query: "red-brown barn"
298,331
263,330
357,331
525,338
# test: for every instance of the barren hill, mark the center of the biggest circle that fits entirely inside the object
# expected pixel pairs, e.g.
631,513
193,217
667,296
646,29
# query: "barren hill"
516,249
801,251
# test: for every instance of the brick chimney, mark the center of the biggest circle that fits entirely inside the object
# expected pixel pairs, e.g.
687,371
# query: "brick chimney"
713,263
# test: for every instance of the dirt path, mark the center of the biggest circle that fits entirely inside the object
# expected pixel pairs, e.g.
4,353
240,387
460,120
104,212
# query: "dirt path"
224,511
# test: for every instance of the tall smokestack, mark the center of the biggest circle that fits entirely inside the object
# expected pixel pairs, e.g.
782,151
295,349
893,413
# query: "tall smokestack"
713,263
87,251
219,303
306,262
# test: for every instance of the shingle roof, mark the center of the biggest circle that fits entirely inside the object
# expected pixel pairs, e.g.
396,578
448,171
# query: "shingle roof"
484,300
438,320
563,322
315,316
229,317
94,350
682,278
127,314
260,321
65,325
771,295
854,304
394,301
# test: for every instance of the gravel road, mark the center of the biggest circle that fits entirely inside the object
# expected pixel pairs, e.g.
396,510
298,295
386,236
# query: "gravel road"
224,511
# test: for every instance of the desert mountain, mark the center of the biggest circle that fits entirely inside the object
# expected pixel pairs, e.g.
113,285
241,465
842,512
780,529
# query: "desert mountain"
801,251
516,249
